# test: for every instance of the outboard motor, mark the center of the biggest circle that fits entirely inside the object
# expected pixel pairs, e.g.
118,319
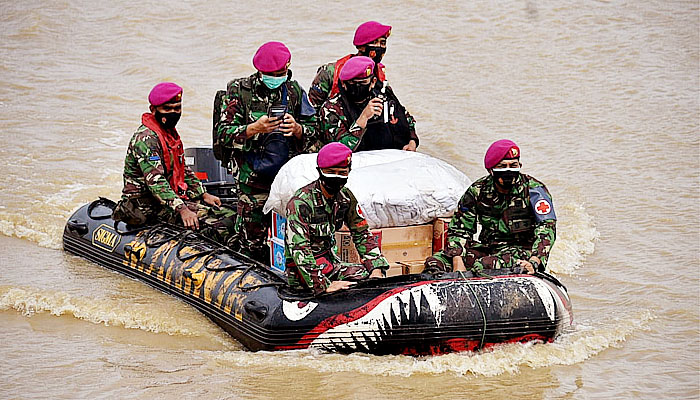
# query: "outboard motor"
214,177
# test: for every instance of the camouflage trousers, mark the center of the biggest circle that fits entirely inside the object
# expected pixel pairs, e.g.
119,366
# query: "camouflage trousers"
480,257
341,272
251,224
214,223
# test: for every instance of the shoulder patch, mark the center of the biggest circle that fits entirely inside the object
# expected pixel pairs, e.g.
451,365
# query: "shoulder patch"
154,158
541,204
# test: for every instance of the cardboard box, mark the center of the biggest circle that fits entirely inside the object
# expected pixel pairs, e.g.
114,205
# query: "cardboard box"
440,233
397,244
277,260
412,267
278,226
394,270
346,247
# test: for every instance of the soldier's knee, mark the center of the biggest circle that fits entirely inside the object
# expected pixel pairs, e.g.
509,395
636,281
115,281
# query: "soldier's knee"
436,264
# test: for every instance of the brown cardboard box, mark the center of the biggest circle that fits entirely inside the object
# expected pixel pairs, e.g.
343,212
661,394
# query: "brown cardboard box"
395,270
397,244
412,267
440,234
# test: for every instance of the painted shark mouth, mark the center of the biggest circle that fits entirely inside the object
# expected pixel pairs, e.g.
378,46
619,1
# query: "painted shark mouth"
442,312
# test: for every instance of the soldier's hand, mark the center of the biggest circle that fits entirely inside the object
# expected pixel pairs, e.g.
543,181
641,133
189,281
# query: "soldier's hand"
211,200
374,107
411,146
338,285
458,264
529,268
264,124
189,218
290,127
376,273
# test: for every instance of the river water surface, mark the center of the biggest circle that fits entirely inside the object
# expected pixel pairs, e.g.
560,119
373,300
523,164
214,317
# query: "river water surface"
601,96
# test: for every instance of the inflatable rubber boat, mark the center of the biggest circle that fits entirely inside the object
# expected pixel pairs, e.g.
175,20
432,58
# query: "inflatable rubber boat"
419,314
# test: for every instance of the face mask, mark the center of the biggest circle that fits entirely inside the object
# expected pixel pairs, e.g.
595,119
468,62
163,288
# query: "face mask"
378,53
332,182
357,93
170,119
273,82
507,175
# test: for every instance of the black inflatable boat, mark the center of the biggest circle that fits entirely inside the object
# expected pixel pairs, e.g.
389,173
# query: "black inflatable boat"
409,314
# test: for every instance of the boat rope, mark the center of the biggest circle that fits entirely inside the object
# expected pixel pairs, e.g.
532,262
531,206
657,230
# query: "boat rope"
280,281
481,308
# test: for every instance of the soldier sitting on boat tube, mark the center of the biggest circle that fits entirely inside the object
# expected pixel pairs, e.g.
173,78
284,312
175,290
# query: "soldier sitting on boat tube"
158,185
314,214
516,214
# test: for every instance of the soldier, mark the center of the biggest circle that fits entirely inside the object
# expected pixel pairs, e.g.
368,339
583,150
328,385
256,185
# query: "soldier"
314,213
262,141
356,117
515,211
158,186
370,41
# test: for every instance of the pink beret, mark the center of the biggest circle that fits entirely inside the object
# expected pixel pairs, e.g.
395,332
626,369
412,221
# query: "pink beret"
369,32
334,154
164,92
500,150
357,67
271,57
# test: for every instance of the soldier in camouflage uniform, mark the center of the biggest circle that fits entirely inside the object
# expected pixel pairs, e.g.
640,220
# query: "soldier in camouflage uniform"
261,143
515,211
314,214
356,116
370,41
158,186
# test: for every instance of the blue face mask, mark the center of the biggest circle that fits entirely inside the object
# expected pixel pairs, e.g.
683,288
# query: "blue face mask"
273,82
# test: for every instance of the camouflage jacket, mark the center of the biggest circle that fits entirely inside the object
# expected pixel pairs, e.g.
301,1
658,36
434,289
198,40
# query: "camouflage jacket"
524,217
321,85
246,100
312,221
145,176
338,123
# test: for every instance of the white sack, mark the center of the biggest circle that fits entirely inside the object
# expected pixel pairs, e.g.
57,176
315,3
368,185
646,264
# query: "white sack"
393,187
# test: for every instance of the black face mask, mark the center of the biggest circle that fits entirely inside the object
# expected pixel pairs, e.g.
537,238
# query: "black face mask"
170,119
378,53
332,183
357,93
508,177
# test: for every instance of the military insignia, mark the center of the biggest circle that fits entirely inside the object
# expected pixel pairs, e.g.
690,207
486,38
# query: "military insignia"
514,152
154,158
543,207
105,237
368,72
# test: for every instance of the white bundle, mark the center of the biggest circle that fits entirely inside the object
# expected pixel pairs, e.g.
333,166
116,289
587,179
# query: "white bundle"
393,187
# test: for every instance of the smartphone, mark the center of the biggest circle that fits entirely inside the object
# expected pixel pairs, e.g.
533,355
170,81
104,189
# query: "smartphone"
277,111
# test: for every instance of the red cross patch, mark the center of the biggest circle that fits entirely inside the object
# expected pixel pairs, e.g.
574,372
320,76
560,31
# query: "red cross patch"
359,211
543,207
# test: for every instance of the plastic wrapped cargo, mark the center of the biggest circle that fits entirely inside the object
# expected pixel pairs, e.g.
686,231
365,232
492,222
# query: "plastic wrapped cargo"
393,187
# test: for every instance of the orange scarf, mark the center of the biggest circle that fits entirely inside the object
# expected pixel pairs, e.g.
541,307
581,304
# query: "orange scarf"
173,154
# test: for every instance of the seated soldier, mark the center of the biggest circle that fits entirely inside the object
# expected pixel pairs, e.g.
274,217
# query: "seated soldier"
515,211
356,116
158,185
314,214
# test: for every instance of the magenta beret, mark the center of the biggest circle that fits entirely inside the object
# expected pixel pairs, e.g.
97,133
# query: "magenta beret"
164,92
500,150
357,67
271,57
369,32
334,154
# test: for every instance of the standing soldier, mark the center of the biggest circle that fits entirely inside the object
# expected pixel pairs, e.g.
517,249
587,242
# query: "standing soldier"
265,119
362,117
370,41
515,211
314,214
158,186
